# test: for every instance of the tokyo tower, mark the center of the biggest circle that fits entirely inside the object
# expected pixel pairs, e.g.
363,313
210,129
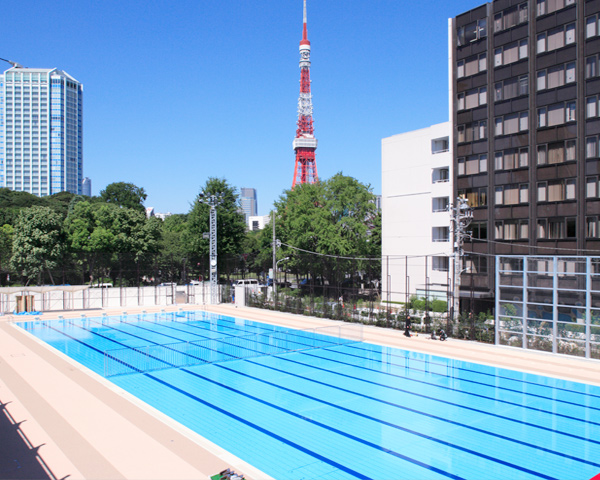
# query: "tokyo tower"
305,142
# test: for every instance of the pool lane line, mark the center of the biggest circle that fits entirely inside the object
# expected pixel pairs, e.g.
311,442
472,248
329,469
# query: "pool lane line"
445,387
475,382
363,368
296,445
299,335
168,365
225,317
250,424
429,397
396,405
200,376
523,394
372,445
526,382
456,423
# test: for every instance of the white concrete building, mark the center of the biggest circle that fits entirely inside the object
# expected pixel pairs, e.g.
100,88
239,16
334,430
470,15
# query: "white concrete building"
416,229
258,222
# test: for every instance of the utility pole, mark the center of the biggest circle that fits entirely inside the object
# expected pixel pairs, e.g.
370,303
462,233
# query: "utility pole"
276,243
213,201
462,215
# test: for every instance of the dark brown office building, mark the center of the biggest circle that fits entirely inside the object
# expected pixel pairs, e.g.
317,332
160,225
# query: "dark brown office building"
526,90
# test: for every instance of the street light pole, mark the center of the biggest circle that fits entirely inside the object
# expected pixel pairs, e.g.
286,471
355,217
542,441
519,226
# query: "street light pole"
212,201
275,274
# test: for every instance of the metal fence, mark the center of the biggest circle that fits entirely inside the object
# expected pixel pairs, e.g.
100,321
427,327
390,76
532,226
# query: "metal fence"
549,303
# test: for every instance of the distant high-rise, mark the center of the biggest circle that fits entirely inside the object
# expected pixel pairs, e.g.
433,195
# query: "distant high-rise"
86,187
41,128
249,202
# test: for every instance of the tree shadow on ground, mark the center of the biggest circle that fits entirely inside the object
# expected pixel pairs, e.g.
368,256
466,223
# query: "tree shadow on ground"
19,459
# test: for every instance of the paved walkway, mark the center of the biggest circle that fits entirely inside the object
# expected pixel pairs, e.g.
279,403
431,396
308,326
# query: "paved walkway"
75,424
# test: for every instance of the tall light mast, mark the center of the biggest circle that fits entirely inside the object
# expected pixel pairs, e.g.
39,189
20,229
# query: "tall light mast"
305,142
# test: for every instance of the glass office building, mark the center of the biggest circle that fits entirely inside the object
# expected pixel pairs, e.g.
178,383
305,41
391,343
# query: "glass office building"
41,131
249,202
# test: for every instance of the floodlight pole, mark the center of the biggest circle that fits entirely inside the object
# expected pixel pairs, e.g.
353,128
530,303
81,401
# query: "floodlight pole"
213,201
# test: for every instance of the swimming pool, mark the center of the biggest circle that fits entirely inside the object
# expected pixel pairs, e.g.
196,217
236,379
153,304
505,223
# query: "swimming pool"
354,410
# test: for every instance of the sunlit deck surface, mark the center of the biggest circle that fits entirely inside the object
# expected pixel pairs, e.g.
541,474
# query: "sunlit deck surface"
59,420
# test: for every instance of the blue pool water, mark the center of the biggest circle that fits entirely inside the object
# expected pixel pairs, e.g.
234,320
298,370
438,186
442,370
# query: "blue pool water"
355,410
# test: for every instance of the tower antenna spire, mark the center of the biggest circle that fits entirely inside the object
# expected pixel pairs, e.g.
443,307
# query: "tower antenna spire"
305,142
304,29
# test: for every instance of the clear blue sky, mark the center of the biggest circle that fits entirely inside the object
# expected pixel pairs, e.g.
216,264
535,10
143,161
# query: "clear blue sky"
177,91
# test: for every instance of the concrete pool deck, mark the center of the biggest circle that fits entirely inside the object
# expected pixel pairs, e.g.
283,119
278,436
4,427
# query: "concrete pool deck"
59,420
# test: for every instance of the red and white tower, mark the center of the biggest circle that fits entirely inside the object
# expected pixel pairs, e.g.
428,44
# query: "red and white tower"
305,142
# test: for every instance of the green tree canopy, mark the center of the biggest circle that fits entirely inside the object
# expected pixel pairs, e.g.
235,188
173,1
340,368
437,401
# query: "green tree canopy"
6,241
231,227
125,195
38,242
335,217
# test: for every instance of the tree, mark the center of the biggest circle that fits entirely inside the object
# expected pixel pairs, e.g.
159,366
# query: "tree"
231,227
38,242
6,241
125,195
336,217
174,255
102,230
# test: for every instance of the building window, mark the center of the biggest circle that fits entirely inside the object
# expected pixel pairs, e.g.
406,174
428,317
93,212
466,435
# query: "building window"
556,38
510,53
556,76
591,227
440,204
472,98
478,230
510,17
439,145
511,88
511,229
476,197
591,187
472,32
557,114
548,6
512,194
556,228
476,265
472,165
558,152
511,158
556,190
440,175
513,123
471,66
441,264
591,147
472,132
440,234
591,26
